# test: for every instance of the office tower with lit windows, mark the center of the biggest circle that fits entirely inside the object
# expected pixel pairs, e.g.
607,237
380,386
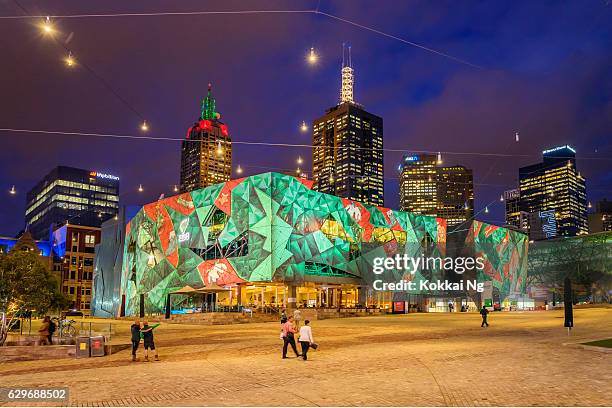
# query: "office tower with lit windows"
206,152
74,246
601,219
555,191
427,188
76,196
455,190
515,218
347,157
418,184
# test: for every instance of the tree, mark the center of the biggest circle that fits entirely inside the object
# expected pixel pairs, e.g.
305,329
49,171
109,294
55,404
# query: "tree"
26,283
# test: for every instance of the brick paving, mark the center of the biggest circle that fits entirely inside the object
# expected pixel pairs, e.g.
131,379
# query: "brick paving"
524,358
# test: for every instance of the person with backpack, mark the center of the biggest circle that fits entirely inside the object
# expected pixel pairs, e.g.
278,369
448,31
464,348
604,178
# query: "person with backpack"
289,337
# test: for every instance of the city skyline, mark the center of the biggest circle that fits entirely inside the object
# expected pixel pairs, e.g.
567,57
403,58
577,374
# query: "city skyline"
551,100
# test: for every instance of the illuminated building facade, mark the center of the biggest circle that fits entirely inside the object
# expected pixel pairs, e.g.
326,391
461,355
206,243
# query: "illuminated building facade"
601,219
206,152
347,157
74,246
426,188
455,190
418,184
67,194
555,191
269,239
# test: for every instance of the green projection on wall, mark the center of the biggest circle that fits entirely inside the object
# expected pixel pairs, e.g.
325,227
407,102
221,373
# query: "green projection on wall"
263,228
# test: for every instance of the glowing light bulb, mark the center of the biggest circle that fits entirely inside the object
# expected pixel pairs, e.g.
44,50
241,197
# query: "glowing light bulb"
219,149
298,171
99,215
144,127
299,160
312,56
304,127
116,217
238,170
516,136
175,189
140,189
590,205
12,190
501,198
69,60
47,27
466,206
486,210
439,158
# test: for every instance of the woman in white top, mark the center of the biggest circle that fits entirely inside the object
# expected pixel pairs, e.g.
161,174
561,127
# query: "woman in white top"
305,339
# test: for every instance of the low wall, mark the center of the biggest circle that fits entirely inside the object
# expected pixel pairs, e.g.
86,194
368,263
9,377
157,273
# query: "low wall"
215,318
27,353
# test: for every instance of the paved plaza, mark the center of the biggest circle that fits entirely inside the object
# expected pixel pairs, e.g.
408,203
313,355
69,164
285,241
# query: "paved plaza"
523,358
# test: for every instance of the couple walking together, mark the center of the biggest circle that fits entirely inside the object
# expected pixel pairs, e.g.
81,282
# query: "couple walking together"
288,331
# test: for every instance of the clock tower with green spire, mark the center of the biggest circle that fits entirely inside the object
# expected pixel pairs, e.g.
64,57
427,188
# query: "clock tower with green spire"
206,152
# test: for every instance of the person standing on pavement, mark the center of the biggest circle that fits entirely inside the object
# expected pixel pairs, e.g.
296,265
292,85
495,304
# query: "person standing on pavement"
305,339
484,312
135,329
289,337
283,319
43,331
297,318
52,328
149,344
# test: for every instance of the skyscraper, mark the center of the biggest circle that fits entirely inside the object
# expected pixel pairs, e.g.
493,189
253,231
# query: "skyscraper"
426,188
515,218
455,188
347,157
556,192
68,194
418,184
206,152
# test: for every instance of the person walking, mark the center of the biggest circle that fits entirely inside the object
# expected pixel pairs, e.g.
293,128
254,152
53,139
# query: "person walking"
289,337
135,329
52,328
297,318
43,331
306,339
484,312
149,344
283,319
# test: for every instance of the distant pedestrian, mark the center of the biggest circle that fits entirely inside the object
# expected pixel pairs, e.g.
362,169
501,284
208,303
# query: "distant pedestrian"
283,316
289,337
450,306
147,336
306,339
484,312
297,318
52,328
43,331
135,329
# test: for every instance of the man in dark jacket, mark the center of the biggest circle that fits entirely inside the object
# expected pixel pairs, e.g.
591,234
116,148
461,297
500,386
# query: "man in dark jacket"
484,312
135,329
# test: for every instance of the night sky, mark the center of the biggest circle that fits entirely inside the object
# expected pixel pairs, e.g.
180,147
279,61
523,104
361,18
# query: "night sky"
546,73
